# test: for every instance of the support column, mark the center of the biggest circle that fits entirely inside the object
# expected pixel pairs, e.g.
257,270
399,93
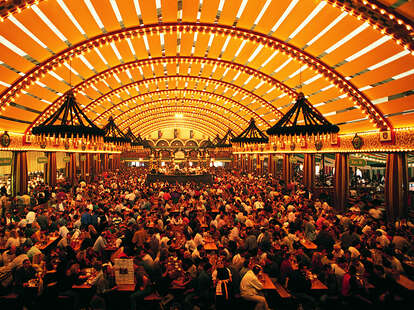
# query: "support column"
104,161
19,173
82,164
396,186
70,169
287,169
309,170
341,180
270,165
50,169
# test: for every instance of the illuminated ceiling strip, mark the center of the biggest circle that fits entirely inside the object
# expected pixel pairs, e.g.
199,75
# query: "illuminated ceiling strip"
204,129
180,10
170,118
268,60
118,55
72,19
29,33
219,11
301,69
200,6
255,53
239,50
388,60
117,13
313,79
282,66
259,17
240,12
144,37
101,56
87,63
368,48
283,17
223,49
126,119
210,42
138,10
324,31
4,84
307,20
131,47
50,25
346,38
403,75
13,47
95,15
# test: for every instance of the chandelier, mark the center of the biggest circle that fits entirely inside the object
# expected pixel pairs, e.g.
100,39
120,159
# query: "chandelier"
251,134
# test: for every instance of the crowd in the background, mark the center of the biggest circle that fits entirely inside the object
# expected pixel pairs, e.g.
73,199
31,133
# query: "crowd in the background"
255,222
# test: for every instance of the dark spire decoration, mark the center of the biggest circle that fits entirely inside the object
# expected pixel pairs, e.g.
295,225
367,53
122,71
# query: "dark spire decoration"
251,134
207,144
314,122
135,141
69,121
226,141
113,134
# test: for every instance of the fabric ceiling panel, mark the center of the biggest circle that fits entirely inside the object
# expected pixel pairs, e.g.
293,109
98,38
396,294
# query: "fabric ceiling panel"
407,9
208,12
398,66
364,38
393,87
228,15
401,104
82,15
12,59
24,42
401,121
7,76
190,8
272,14
149,11
12,126
18,113
251,11
169,11
30,102
170,44
355,127
63,23
337,32
373,57
301,10
128,13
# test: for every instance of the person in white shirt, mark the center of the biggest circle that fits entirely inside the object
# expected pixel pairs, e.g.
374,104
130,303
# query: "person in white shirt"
250,287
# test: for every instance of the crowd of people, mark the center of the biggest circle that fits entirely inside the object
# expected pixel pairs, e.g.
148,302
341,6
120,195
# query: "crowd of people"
257,227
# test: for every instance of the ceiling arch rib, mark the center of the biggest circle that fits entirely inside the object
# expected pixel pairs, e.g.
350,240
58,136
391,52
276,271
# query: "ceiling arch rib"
177,78
204,119
179,92
165,103
175,92
305,58
378,15
208,132
185,109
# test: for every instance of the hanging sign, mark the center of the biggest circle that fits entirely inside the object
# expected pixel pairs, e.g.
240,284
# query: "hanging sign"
357,162
5,161
42,160
66,159
95,157
82,157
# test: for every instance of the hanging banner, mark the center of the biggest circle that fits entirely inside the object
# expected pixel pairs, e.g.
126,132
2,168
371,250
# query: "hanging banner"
357,162
42,160
5,161
66,159
82,157
95,157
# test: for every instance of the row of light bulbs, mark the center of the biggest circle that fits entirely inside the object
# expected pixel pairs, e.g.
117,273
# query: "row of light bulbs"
330,74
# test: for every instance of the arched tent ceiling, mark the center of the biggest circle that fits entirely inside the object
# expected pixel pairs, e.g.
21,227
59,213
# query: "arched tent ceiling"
217,62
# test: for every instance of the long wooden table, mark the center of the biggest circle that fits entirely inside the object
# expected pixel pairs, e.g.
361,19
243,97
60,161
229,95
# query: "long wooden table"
309,245
405,282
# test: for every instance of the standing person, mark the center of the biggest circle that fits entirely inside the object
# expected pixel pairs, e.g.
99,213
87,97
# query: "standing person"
250,288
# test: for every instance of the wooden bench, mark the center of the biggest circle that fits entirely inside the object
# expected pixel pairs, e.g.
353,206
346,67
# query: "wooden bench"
283,293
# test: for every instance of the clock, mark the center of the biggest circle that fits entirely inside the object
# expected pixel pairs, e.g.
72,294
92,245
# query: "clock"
5,139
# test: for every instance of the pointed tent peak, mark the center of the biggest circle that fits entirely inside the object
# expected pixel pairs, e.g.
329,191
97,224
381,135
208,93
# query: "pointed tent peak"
226,141
302,112
251,134
217,139
135,141
113,133
207,144
68,121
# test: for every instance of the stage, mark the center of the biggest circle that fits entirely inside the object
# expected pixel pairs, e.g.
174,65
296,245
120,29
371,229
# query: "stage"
180,178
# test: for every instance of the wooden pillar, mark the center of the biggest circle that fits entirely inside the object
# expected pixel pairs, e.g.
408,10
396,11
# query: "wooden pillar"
287,169
50,169
396,186
19,173
309,170
341,180
104,161
270,165
70,169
